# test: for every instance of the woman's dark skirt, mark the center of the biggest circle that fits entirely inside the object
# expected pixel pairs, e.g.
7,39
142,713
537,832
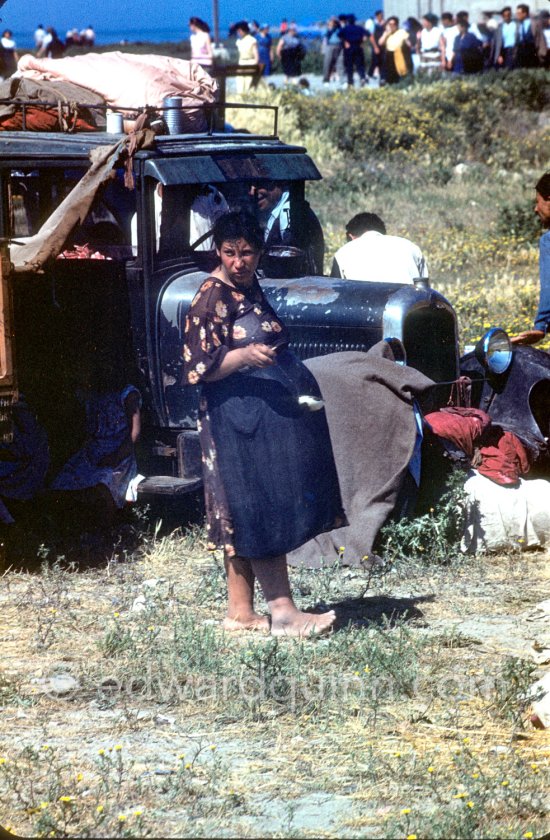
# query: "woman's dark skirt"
275,458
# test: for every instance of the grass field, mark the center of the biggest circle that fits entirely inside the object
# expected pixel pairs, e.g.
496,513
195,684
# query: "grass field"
126,711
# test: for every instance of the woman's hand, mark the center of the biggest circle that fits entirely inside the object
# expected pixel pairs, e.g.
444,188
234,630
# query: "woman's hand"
253,355
257,355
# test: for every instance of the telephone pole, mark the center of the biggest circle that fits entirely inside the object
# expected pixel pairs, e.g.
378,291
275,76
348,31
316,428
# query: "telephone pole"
216,21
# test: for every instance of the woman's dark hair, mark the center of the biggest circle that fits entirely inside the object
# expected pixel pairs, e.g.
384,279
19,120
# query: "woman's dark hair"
243,26
393,17
431,18
543,186
199,23
238,225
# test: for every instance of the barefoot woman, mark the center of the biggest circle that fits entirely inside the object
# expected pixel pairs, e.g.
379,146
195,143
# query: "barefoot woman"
269,475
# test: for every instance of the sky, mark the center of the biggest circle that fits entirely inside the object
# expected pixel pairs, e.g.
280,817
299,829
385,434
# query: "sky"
144,14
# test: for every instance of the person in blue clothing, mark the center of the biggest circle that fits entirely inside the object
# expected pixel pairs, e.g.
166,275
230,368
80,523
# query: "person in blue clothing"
24,461
353,37
542,318
526,53
332,48
95,480
467,50
265,48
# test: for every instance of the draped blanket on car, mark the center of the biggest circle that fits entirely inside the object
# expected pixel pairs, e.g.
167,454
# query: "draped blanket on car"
369,404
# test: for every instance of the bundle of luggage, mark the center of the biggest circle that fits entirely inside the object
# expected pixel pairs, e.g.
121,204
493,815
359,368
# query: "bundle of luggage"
73,94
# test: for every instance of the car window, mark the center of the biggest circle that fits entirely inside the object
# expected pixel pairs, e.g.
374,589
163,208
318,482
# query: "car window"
34,194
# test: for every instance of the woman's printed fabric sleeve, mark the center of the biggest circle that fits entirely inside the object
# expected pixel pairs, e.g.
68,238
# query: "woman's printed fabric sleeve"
206,332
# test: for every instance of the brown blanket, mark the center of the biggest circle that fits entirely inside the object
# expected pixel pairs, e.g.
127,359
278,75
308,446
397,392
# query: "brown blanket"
368,399
64,115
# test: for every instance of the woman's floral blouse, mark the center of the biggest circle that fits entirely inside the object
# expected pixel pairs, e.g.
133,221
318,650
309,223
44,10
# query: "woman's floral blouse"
220,319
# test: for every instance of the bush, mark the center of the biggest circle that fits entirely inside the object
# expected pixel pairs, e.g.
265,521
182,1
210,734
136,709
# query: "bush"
462,118
519,221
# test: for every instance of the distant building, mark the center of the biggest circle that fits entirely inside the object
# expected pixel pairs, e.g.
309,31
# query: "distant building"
477,8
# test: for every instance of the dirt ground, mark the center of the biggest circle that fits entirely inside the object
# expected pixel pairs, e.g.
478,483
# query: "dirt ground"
127,711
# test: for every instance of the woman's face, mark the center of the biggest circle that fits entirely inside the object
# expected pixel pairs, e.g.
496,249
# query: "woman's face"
239,261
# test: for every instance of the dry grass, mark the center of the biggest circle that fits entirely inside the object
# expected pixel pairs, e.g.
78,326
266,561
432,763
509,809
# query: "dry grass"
408,705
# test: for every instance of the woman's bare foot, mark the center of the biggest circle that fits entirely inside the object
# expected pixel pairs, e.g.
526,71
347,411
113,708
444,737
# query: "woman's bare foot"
302,624
251,621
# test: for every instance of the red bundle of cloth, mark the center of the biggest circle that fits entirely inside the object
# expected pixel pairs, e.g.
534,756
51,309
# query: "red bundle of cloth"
499,455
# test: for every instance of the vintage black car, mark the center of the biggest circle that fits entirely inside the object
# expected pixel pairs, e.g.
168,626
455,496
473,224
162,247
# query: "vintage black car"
131,300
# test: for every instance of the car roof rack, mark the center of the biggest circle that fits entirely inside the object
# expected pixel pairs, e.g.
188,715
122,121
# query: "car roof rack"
215,113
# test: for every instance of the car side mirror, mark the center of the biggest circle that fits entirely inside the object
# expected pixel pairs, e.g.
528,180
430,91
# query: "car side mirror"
494,351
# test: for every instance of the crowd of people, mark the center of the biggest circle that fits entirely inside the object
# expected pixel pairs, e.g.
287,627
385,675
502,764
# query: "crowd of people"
387,49
47,44
448,44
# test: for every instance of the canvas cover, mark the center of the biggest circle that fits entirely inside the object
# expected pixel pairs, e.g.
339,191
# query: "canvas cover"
127,81
63,115
31,254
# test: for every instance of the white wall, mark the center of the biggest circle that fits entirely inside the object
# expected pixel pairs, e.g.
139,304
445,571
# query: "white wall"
416,8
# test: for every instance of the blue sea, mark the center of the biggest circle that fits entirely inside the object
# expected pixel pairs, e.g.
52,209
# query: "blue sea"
24,40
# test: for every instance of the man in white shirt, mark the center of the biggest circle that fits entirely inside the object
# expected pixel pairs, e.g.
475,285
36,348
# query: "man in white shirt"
371,255
447,40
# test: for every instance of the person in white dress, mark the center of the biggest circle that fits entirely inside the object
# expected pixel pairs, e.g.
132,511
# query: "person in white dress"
201,43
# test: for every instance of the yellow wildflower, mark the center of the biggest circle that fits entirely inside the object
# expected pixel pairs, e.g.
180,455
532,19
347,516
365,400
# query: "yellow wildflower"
99,809
122,817
118,747
65,799
405,811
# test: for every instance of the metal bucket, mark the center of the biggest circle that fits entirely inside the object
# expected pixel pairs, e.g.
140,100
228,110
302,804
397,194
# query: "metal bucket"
173,117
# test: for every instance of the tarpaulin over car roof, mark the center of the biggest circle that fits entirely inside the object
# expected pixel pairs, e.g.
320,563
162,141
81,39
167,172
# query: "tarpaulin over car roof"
200,169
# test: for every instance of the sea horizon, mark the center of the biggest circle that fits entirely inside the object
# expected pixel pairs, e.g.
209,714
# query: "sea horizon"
104,37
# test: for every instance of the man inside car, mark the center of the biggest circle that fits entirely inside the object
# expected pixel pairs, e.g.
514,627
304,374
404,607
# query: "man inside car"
287,221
